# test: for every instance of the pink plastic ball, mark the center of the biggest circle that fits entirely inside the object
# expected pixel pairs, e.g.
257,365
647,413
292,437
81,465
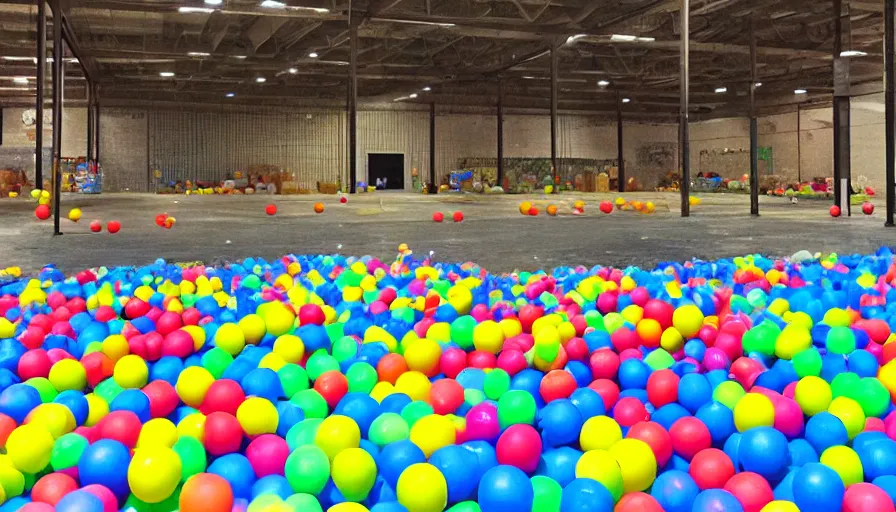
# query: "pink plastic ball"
168,322
178,343
689,436
730,344
708,334
751,490
519,446
267,454
625,338
656,437
34,363
446,396
576,349
604,364
311,314
223,395
122,426
606,302
110,502
865,497
512,361
788,417
608,390
482,423
659,310
875,425
452,362
640,296
480,313
746,371
630,353
223,434
482,359
163,398
630,410
662,388
715,359
711,468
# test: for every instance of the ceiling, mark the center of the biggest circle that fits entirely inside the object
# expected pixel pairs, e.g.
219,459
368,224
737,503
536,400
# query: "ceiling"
460,49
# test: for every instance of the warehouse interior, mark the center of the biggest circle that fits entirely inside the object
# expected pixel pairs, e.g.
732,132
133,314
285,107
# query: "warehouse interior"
200,90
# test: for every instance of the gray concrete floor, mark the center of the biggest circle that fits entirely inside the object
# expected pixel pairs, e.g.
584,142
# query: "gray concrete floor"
494,234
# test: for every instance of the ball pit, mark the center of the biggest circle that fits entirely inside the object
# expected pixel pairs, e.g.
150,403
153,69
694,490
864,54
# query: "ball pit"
326,383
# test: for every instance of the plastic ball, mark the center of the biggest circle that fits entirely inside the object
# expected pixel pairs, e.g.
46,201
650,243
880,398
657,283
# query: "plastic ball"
53,487
845,461
433,432
868,208
751,490
206,492
817,487
754,410
318,207
505,489
42,212
438,217
637,462
458,217
257,416
601,466
519,446
763,450
307,469
711,468
689,436
865,497
606,207
421,487
716,500
586,495
599,432
105,462
354,473
271,209
834,211
74,214
29,448
113,226
154,473
675,491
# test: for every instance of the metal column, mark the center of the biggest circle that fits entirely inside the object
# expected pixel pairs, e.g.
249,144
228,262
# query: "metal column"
39,110
754,126
842,171
890,103
96,121
353,106
58,86
620,160
90,129
500,176
683,136
432,146
554,72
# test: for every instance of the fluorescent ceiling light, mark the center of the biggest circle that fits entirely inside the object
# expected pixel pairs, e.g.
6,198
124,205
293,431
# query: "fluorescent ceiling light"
758,84
413,96
335,62
572,39
273,4
799,91
199,54
603,83
626,100
21,59
231,94
240,57
623,37
416,22
20,80
293,71
852,53
261,79
214,2
195,10
166,74
427,89
720,90
313,55
646,39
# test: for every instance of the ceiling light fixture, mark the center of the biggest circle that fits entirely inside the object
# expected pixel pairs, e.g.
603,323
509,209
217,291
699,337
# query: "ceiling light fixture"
195,10
166,74
413,96
313,55
261,80
646,39
240,57
416,22
758,84
572,39
199,54
852,53
623,38
334,62
800,91
427,89
293,71
20,80
626,100
21,59
214,2
273,4
603,83
230,94
721,90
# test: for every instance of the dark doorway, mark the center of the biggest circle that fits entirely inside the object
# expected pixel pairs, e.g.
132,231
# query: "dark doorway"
388,168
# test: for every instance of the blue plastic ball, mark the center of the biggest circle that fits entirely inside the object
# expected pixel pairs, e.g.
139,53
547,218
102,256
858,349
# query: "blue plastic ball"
694,391
559,464
675,491
76,403
763,450
825,430
818,488
586,495
360,407
718,419
79,501
560,423
506,489
18,400
272,484
716,500
485,455
801,453
396,457
132,400
237,470
878,456
105,462
633,374
454,462
588,402
888,484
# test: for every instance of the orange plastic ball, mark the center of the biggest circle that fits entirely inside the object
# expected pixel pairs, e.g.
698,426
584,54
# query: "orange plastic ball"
318,207
390,367
206,492
552,210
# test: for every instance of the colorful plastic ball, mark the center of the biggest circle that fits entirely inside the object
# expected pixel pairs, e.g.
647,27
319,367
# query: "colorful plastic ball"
638,501
599,465
257,416
223,433
237,470
79,501
458,217
713,500
599,432
206,492
354,473
825,430
711,468
18,400
629,411
637,462
29,448
834,211
271,209
868,208
42,212
606,207
154,473
675,491
763,450
307,469
689,435
433,432
656,437
585,495
454,462
421,487
505,489
157,432
751,490
865,497
850,413
817,487
547,494
110,502
192,384
105,462
438,217
754,410
845,462
53,487
560,423
113,226
687,320
520,446
223,395
516,406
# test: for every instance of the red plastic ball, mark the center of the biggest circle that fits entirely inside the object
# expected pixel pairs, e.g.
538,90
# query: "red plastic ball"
135,308
519,446
311,314
865,497
7,425
160,219
122,426
557,384
751,490
98,367
604,364
168,322
659,310
608,390
178,343
458,217
343,199
332,385
512,361
224,395
629,411
656,437
662,388
34,363
606,207
271,209
624,338
163,399
481,359
638,502
267,454
867,208
223,434
42,212
711,468
446,396
191,316
452,362
113,226
53,487
96,226
528,315
689,436
835,211
438,217
33,337
533,211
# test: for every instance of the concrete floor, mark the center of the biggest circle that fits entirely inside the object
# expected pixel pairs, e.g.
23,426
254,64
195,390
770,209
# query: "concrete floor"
494,234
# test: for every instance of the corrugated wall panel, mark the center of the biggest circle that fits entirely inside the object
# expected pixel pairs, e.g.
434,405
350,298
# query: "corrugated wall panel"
404,132
123,150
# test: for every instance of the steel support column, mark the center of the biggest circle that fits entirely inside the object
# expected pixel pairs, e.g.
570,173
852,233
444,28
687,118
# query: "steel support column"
890,103
96,121
500,176
620,160
683,136
754,128
39,106
90,119
555,67
58,87
432,146
842,170
353,106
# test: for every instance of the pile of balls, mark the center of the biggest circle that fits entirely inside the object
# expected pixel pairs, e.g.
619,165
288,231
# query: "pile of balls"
315,383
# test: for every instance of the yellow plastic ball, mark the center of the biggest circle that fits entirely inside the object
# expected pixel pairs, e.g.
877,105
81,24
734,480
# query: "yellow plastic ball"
230,338
336,433
633,313
488,336
74,214
461,298
432,432
599,433
688,320
7,328
43,200
524,207
97,409
253,328
850,413
414,384
509,326
272,361
278,318
157,432
354,473
257,416
29,447
154,473
381,390
348,506
423,355
198,335
780,506
68,374
35,193
792,340
837,317
290,348
813,395
192,384
192,425
131,372
12,481
671,340
637,462
115,347
44,194
56,419
599,465
422,488
845,461
753,410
